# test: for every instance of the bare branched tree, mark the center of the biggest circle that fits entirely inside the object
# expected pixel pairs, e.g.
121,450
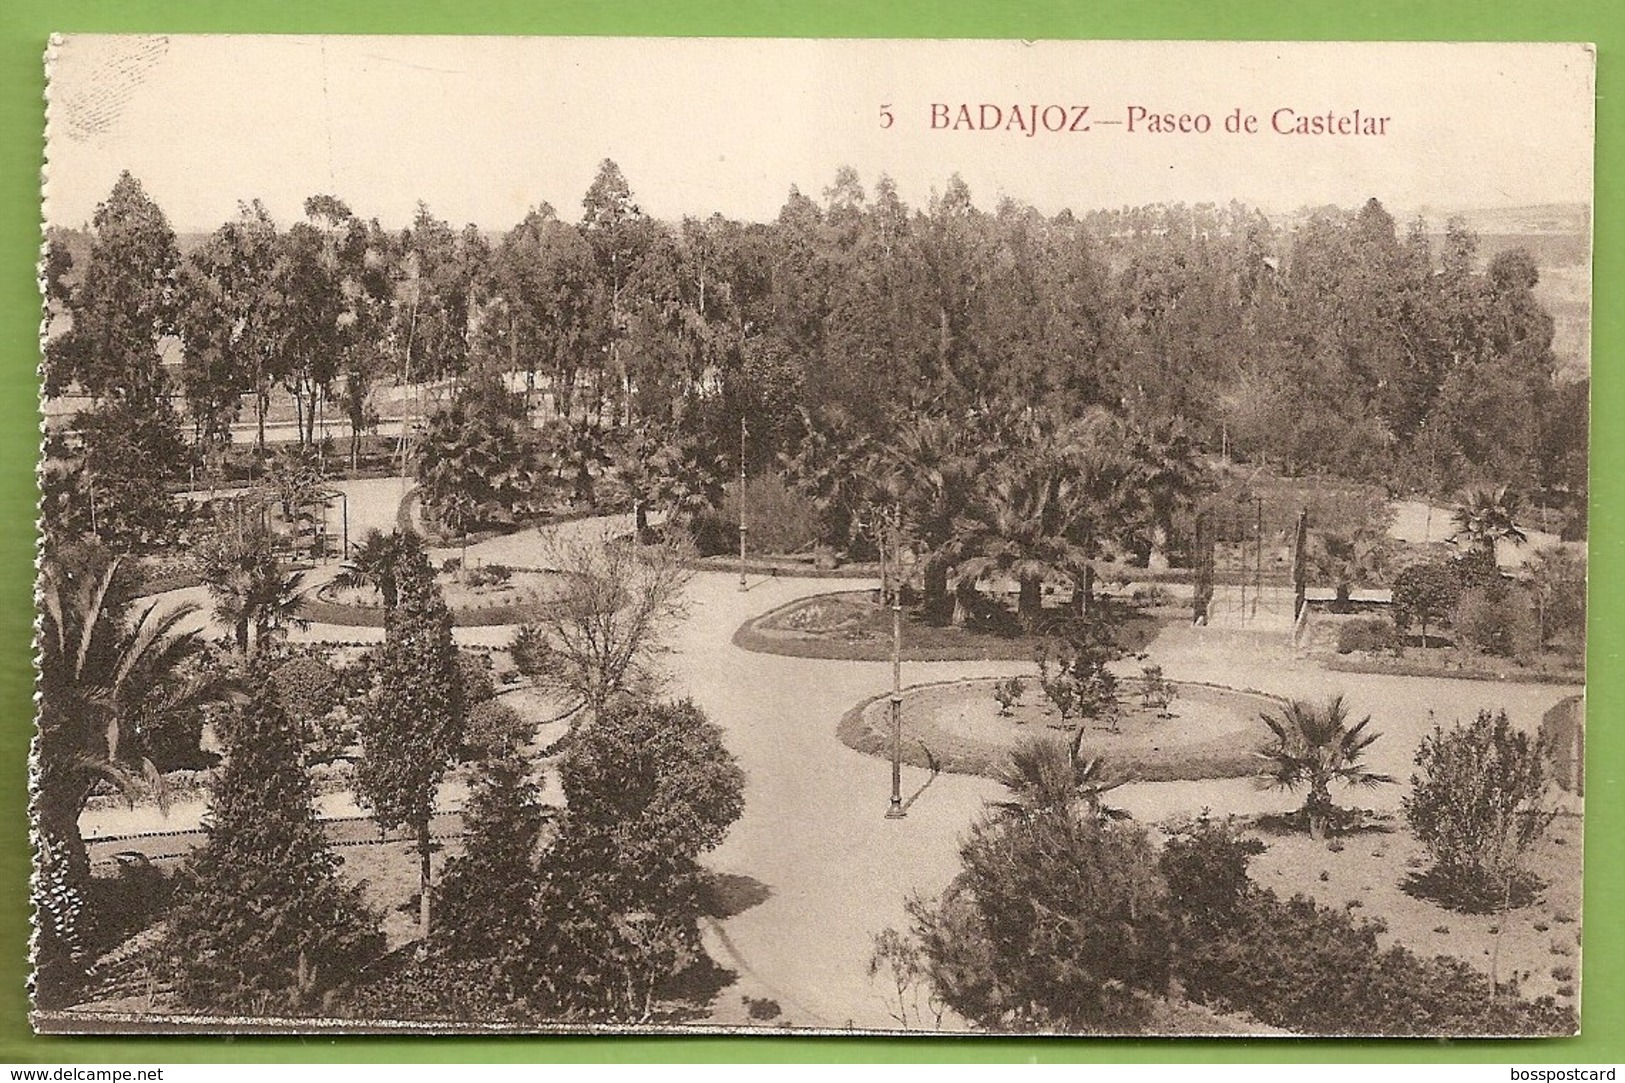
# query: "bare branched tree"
602,633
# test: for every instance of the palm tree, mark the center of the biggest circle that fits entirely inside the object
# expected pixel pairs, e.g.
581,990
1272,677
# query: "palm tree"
835,466
1486,517
1045,775
633,459
99,670
1348,559
687,479
296,475
383,561
249,587
1314,747
474,465
1164,475
1032,524
935,465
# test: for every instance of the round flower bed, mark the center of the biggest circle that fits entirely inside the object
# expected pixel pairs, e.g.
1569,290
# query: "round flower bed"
1211,732
477,598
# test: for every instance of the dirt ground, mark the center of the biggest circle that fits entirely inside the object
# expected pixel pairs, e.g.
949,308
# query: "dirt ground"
1539,943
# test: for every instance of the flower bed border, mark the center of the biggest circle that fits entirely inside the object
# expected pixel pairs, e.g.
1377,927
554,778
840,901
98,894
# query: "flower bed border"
852,731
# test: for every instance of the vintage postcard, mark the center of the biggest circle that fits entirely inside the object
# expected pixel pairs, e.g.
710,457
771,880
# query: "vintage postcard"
812,536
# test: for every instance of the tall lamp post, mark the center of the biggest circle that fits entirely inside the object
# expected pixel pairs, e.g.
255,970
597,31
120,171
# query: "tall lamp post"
894,588
742,528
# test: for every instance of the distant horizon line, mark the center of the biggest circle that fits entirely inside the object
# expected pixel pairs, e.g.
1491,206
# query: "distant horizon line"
1402,215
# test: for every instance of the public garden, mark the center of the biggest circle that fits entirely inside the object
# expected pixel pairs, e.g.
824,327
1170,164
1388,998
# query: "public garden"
875,619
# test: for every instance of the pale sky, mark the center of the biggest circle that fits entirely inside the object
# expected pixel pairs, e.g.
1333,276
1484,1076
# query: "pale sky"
482,129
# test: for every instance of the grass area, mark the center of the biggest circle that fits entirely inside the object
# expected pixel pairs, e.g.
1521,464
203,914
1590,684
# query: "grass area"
854,626
1212,732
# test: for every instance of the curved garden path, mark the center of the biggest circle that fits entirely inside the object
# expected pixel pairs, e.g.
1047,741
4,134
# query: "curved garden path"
813,832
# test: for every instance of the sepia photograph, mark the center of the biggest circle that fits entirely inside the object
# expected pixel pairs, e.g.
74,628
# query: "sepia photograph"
811,536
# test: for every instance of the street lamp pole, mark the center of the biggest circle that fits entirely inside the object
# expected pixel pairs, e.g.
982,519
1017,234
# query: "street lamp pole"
895,812
742,433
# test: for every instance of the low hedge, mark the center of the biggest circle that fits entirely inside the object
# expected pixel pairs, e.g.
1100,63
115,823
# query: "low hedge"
1407,667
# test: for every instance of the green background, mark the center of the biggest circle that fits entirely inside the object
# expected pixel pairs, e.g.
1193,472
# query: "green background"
24,26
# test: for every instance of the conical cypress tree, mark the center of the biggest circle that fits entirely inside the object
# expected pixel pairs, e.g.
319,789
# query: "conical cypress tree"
413,725
485,896
263,923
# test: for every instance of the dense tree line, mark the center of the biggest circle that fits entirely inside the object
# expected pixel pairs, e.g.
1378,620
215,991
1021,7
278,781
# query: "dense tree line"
1338,342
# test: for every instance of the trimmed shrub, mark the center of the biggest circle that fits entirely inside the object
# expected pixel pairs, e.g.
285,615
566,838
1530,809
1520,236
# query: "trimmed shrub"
1365,634
1425,594
307,687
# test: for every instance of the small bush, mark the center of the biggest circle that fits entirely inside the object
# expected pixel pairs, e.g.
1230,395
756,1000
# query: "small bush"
1315,969
494,729
1476,807
762,1009
1156,690
714,533
1496,620
1152,595
1365,634
1008,692
489,575
1054,923
1062,690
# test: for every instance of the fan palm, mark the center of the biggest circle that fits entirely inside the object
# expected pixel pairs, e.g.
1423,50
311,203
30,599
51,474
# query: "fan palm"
1045,775
1314,747
1486,517
834,465
1348,559
687,479
1031,525
1164,475
247,583
936,465
383,561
